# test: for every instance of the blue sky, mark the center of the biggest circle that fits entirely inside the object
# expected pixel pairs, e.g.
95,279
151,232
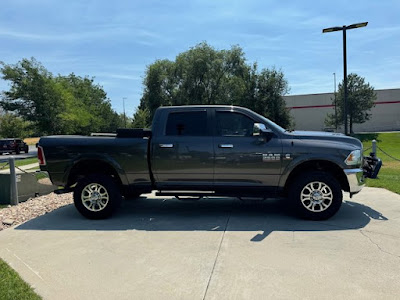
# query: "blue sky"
114,41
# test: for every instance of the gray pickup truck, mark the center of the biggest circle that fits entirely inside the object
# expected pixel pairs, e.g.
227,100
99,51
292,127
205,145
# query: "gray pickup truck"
203,151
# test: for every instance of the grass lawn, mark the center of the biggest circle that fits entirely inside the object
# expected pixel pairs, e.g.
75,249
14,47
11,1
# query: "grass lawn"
389,176
12,286
21,162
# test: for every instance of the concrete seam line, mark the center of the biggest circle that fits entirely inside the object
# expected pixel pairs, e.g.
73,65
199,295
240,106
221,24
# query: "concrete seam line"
219,249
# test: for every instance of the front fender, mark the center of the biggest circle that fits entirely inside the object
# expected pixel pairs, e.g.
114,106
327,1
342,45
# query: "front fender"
304,158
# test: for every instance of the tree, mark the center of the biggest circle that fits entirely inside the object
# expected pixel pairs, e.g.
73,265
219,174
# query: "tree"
57,105
12,126
141,118
360,100
33,95
203,75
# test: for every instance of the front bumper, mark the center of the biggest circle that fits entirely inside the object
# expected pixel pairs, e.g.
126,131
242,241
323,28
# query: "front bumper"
356,180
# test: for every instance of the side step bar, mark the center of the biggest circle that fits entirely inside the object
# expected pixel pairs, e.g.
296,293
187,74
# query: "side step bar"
186,193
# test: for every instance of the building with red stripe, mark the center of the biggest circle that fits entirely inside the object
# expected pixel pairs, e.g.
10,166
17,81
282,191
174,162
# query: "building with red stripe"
309,111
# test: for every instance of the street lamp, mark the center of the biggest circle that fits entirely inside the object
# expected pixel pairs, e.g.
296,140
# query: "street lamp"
344,28
123,103
334,88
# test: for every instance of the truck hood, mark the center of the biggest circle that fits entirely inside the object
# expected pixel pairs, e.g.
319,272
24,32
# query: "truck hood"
326,136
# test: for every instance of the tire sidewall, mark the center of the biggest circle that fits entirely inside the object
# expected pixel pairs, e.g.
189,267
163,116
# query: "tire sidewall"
301,181
113,192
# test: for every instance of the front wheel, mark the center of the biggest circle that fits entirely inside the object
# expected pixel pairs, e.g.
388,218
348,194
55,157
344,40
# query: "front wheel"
316,195
97,196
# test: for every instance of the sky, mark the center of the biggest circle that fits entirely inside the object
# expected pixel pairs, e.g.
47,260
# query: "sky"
114,41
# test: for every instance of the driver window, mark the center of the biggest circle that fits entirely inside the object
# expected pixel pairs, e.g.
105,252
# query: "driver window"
233,124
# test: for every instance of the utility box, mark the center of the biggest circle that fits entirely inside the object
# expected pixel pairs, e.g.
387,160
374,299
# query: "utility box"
5,194
29,185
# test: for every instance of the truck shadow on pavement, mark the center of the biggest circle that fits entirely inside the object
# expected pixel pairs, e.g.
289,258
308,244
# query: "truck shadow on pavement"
214,214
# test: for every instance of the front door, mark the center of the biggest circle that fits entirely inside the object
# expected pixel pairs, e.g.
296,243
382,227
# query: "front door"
241,159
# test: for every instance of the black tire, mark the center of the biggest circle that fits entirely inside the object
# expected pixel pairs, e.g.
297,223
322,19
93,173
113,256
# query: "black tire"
103,185
325,195
26,149
17,151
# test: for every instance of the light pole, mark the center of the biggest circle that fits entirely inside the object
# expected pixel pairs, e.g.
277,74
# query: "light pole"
344,28
334,89
123,104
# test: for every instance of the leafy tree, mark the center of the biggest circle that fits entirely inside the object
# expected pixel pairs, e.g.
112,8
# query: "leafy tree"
203,75
57,105
141,118
360,100
12,126
87,108
33,95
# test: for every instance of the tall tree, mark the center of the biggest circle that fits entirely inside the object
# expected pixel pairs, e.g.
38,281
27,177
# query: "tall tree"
204,75
361,98
56,105
33,95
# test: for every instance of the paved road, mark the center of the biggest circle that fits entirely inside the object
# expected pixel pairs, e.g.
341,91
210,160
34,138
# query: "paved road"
32,153
212,249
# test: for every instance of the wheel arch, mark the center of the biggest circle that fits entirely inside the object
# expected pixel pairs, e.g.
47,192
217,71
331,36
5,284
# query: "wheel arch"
318,165
88,166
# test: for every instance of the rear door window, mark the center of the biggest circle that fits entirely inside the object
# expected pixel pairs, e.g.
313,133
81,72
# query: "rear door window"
187,124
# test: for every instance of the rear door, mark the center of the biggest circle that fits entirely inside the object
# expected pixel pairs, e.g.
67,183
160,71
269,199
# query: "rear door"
242,159
182,155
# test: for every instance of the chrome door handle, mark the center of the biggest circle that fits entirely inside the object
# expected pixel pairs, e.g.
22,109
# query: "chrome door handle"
166,145
225,146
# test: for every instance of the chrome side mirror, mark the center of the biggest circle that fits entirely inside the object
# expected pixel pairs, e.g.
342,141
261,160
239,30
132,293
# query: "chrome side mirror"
258,129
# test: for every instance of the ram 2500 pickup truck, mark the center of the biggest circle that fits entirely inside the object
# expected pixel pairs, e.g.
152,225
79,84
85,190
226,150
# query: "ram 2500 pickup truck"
203,151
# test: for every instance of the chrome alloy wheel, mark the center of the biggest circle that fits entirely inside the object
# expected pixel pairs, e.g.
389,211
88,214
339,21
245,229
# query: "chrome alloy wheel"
94,197
316,196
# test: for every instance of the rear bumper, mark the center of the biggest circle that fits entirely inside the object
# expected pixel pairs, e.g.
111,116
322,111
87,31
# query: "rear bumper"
356,180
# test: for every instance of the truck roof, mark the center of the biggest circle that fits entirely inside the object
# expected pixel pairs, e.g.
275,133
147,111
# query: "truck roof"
201,106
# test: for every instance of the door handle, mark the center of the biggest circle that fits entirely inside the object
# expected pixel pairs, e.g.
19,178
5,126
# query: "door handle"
166,145
225,146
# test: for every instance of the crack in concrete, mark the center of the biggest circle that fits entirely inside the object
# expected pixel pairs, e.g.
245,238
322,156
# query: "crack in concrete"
26,265
216,257
377,245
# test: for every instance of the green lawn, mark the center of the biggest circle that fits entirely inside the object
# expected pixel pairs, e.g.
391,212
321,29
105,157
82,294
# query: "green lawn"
12,286
21,162
389,176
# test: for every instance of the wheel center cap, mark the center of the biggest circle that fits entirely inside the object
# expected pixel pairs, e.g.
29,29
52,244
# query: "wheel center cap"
317,196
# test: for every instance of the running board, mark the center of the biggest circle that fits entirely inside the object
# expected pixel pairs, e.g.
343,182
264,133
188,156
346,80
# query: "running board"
186,193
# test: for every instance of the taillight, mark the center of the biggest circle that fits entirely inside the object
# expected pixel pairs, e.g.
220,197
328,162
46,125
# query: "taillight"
40,155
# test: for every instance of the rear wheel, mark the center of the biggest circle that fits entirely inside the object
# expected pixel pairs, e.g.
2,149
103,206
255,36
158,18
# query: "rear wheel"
97,196
316,195
17,151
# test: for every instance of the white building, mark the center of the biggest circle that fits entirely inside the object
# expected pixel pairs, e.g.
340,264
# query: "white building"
309,111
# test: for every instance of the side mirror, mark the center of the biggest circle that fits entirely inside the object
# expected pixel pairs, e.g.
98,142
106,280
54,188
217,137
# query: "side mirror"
260,130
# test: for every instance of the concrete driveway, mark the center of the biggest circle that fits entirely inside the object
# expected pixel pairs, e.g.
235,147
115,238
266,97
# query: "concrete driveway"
212,249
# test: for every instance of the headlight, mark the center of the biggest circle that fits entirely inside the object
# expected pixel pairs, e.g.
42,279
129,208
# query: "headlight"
354,158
